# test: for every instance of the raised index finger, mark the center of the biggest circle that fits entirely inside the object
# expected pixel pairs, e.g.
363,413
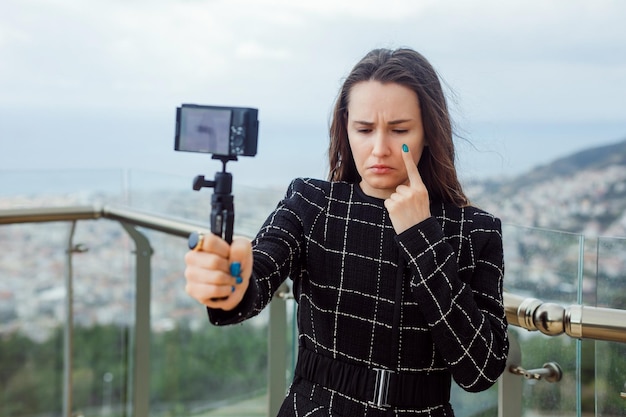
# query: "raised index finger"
411,167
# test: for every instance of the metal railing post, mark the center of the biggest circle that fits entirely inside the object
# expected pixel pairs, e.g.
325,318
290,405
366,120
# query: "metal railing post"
277,352
510,386
141,341
68,330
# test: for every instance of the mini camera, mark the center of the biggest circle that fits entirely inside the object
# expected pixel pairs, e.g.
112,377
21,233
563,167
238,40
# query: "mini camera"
221,131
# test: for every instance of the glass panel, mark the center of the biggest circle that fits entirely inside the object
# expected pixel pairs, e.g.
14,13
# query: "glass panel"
543,264
474,404
104,321
33,272
32,293
610,369
546,265
611,273
540,396
33,284
197,367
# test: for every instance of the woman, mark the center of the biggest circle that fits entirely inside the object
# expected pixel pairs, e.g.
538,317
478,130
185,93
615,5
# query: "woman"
398,279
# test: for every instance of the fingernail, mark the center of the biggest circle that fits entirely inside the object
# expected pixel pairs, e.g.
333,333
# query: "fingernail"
405,148
235,269
239,280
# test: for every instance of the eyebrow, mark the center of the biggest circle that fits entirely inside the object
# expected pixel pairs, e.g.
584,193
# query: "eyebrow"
393,122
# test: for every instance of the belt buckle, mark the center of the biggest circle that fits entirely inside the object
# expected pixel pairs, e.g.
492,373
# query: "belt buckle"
381,389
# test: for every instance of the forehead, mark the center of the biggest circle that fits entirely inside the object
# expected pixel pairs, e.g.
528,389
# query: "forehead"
369,98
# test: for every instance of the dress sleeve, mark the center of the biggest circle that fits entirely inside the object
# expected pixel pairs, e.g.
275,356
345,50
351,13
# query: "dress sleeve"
276,251
461,297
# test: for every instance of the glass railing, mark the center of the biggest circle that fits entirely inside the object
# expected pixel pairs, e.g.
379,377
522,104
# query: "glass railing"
194,367
547,265
190,368
609,373
579,322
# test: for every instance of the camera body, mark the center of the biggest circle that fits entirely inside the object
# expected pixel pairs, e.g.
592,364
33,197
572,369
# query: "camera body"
221,131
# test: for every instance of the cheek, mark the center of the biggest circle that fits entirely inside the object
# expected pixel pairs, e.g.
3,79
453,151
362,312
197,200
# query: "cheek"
358,159
355,149
417,154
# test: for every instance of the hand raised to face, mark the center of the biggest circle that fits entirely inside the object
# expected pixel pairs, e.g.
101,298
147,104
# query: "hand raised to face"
410,203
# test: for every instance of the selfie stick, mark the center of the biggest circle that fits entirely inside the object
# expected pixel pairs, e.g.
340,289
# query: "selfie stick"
222,208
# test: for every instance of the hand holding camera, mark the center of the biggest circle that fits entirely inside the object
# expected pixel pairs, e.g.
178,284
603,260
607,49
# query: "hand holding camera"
218,271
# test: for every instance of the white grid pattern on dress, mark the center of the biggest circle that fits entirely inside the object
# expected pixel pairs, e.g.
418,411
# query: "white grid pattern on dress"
340,249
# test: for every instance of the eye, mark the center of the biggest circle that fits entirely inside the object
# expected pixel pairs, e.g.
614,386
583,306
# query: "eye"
364,130
400,131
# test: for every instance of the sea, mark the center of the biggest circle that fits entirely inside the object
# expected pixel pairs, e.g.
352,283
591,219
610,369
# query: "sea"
109,156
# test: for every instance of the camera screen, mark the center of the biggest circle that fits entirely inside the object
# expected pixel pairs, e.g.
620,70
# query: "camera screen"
203,129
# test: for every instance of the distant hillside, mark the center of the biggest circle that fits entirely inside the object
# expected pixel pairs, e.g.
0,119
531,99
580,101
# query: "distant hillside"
594,158
583,193
590,159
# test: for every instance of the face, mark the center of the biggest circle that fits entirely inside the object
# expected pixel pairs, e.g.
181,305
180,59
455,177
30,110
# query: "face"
381,118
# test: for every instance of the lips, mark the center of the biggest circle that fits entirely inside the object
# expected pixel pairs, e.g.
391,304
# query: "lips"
380,169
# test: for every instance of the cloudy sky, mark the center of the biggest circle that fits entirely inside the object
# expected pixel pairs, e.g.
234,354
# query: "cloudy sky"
95,84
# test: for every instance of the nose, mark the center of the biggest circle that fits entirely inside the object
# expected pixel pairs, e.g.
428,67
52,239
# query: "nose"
380,145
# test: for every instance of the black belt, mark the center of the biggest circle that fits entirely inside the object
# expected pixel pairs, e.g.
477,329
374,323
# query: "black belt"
379,387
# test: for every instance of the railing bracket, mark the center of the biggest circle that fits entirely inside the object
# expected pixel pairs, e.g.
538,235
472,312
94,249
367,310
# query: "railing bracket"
551,372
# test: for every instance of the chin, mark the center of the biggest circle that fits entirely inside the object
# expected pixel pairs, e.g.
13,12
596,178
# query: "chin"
383,183
381,189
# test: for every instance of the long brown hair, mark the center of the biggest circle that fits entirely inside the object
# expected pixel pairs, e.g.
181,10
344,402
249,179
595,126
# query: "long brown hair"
410,69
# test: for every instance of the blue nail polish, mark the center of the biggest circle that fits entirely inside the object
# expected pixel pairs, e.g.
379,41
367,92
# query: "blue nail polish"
239,280
232,289
405,148
235,269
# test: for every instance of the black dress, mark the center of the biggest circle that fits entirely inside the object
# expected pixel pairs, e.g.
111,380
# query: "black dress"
419,307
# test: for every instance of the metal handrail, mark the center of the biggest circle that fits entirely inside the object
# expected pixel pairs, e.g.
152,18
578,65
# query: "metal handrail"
136,217
577,321
49,214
